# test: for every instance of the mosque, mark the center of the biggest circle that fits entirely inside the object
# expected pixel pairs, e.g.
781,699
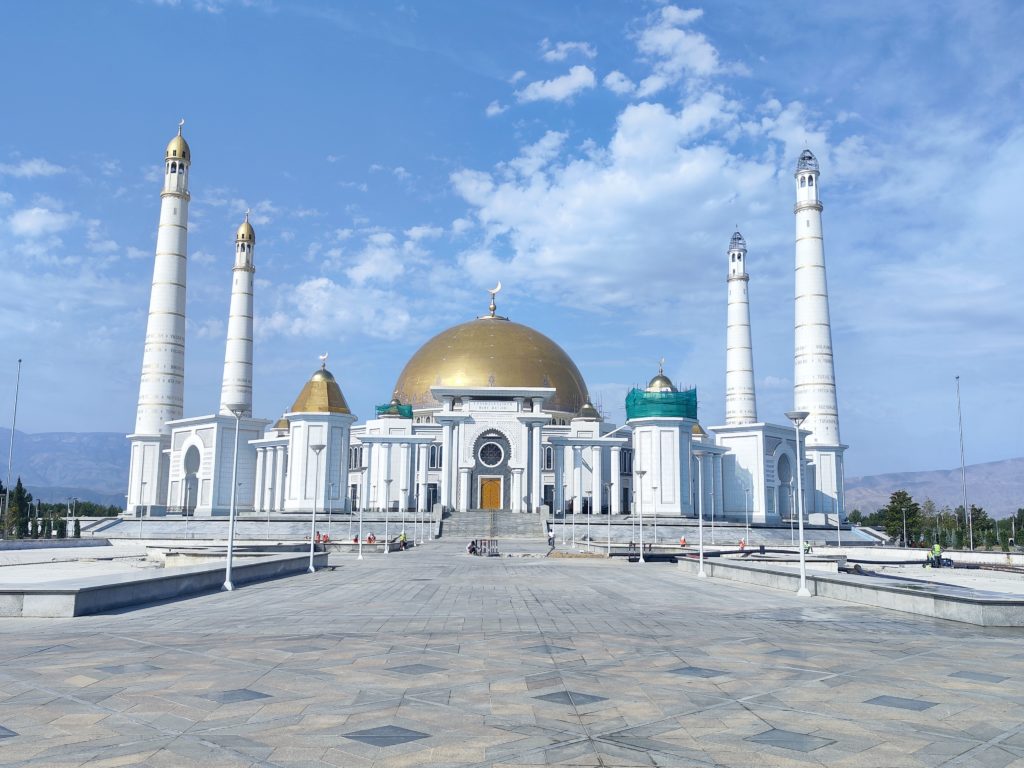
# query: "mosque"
488,414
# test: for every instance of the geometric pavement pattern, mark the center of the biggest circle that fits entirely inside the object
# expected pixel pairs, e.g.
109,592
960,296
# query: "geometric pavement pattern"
430,657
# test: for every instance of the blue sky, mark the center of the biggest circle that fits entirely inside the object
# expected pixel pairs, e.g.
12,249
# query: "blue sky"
595,157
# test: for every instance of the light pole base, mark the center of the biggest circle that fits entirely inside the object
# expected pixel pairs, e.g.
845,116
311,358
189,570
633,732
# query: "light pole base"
803,592
227,587
311,569
701,574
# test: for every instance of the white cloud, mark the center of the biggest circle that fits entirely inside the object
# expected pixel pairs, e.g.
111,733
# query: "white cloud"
202,257
561,51
30,169
494,109
460,226
676,52
38,221
616,82
6,199
517,76
378,261
578,79
423,232
320,308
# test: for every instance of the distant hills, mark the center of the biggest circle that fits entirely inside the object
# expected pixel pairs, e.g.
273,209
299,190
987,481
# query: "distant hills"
997,487
94,466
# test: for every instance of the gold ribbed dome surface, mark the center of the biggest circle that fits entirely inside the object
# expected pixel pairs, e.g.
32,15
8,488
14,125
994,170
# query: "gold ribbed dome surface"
661,383
492,352
245,232
177,149
320,395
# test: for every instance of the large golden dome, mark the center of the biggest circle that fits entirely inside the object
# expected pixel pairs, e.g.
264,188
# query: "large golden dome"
320,395
492,352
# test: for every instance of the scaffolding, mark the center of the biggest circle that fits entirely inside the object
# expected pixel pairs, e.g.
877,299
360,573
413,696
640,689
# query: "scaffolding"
641,404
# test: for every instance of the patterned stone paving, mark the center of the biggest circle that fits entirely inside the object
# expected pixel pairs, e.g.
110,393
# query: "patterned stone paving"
508,662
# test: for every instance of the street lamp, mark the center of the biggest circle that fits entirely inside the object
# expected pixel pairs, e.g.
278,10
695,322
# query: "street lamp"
387,509
590,512
316,448
330,508
608,495
700,454
565,490
797,417
359,538
746,511
654,493
640,511
405,506
237,409
142,507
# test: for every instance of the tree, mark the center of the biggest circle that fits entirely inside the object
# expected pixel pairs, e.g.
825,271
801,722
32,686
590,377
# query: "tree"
78,528
855,517
902,511
16,516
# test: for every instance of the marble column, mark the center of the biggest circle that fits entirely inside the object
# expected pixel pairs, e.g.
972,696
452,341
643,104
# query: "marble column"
403,479
367,454
464,490
447,459
279,471
577,480
257,502
557,498
595,468
517,490
615,478
536,466
422,458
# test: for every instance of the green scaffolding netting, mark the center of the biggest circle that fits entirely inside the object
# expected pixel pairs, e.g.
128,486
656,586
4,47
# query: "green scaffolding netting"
401,411
641,404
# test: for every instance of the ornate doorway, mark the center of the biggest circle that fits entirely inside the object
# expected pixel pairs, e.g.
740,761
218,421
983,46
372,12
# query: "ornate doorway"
490,493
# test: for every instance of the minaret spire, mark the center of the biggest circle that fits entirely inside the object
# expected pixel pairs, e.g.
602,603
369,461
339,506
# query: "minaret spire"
814,378
740,400
236,387
162,383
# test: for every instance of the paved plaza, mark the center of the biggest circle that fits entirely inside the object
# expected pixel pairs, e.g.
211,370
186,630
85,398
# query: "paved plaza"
434,658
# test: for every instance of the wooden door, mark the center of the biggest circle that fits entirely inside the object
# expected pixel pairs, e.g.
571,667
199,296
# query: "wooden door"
490,493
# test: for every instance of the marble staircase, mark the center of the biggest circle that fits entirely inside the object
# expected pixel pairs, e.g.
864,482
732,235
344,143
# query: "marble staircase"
493,524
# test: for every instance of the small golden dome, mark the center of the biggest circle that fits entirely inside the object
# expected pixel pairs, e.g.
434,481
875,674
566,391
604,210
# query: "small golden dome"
661,383
321,395
245,233
698,431
282,425
177,149
588,412
492,352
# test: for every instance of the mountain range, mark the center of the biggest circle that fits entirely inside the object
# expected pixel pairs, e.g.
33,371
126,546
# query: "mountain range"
94,466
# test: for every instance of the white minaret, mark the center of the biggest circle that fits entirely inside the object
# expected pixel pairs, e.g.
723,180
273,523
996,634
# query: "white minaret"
162,384
814,379
740,402
236,388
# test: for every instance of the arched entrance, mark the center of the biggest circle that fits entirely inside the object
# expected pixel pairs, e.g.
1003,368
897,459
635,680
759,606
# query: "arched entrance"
190,485
491,474
784,471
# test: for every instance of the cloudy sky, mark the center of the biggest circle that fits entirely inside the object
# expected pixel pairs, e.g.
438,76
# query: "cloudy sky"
400,158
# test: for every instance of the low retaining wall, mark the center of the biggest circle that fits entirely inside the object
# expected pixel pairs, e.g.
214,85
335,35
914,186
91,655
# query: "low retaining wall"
986,612
11,545
60,599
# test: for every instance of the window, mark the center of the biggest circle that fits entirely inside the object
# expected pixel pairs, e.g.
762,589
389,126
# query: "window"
549,457
803,181
810,181
491,454
434,456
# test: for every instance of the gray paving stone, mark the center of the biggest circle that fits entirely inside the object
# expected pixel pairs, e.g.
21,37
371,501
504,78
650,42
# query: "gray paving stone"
979,677
386,735
234,696
696,672
416,669
570,697
898,702
6,733
800,742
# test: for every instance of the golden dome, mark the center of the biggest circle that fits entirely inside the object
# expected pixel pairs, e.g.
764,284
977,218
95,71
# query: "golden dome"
320,395
245,231
698,431
661,383
282,425
588,412
492,352
177,149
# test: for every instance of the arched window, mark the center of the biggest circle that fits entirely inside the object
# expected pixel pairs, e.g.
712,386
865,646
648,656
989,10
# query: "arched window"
549,457
174,167
803,181
810,181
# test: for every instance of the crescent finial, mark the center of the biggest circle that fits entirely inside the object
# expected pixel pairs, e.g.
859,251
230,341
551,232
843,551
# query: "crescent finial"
323,360
181,124
495,289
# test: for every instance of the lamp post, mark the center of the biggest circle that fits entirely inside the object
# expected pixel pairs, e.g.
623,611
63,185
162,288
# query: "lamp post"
330,508
405,506
640,511
904,511
746,511
10,448
968,521
316,448
185,510
797,417
387,510
590,512
700,454
565,489
237,409
142,507
359,538
654,493
608,495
